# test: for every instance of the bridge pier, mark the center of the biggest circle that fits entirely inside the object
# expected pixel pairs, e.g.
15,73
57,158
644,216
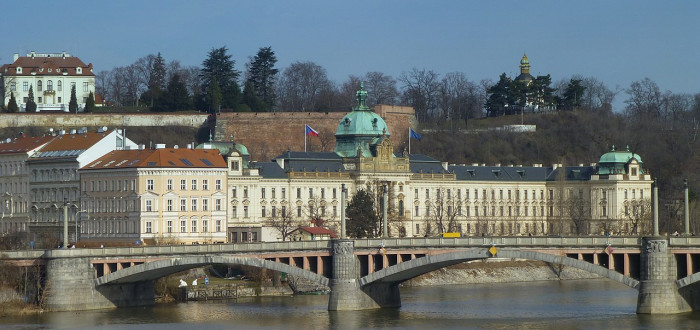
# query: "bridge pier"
346,293
70,286
658,291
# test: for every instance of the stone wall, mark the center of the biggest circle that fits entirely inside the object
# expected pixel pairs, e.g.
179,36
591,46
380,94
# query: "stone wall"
66,120
270,134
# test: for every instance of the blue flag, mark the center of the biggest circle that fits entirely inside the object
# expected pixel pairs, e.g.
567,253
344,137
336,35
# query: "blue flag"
414,134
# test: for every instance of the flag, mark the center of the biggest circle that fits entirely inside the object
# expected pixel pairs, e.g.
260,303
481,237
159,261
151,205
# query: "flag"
414,134
310,131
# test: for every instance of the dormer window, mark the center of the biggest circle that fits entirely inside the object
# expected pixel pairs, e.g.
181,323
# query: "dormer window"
19,69
633,171
347,122
79,70
235,166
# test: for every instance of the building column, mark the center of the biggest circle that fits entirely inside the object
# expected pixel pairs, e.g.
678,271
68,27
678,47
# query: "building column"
658,292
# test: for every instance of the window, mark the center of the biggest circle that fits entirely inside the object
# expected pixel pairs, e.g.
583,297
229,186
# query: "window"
272,192
149,184
170,226
85,86
323,193
39,86
311,192
417,212
262,193
25,86
334,193
148,226
233,192
217,204
13,86
205,204
245,211
335,211
218,184
183,226
284,211
183,184
298,211
605,211
59,85
284,193
194,225
194,204
170,184
262,209
40,99
218,225
205,226
194,184
417,228
205,184
427,193
625,195
400,208
234,166
149,206
274,211
234,211
245,192
298,192
170,205
49,85
183,204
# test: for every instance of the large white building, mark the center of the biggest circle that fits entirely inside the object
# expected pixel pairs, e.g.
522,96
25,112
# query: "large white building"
51,77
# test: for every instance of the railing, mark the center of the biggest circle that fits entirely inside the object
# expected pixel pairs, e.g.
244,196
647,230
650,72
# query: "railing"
360,244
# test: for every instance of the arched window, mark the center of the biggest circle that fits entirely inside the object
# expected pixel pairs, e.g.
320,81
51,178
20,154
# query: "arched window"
49,85
38,86
60,86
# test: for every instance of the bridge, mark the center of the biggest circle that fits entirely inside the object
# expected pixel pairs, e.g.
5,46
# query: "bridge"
361,274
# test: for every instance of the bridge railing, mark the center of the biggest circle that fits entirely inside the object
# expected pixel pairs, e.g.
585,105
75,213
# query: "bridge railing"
543,242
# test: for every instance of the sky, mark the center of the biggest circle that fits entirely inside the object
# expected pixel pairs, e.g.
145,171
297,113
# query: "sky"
617,42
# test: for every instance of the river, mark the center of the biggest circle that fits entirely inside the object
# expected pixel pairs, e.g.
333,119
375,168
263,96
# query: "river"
579,304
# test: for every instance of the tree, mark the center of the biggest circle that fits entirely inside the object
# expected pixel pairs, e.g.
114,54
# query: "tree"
263,75
73,104
578,209
175,96
362,219
219,67
213,96
444,210
381,89
12,105
499,96
251,99
31,105
573,94
646,100
460,99
283,223
420,90
156,78
301,87
539,93
90,103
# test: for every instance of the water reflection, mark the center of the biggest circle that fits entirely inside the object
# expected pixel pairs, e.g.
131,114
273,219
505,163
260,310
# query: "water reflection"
597,304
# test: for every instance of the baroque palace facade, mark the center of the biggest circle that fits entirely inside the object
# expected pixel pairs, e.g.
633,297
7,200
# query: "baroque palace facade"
214,192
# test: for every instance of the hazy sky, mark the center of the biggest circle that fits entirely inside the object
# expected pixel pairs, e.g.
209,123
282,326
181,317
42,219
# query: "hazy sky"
617,42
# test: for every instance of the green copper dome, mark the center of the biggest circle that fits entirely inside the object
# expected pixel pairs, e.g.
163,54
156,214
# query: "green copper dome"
615,162
359,129
524,60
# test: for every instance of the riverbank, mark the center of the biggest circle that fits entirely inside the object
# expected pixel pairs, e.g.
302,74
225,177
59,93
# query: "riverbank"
499,271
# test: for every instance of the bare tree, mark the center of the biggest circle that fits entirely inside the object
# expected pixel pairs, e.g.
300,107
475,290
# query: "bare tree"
421,90
459,98
637,213
284,223
444,211
578,210
301,86
381,88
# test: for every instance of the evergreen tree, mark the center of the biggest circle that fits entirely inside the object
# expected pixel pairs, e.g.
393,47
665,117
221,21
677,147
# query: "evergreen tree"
176,94
262,73
90,103
573,93
219,67
31,105
73,104
252,100
539,91
499,96
12,106
213,96
156,82
362,219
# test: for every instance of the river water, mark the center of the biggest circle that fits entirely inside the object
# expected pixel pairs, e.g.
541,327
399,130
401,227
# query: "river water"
580,304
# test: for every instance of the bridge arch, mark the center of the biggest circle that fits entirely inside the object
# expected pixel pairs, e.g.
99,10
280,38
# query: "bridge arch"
156,269
410,269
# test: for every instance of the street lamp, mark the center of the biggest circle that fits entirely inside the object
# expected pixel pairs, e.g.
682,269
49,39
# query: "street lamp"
76,224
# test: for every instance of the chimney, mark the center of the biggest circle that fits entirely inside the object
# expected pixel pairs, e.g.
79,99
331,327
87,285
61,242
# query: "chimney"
160,145
16,57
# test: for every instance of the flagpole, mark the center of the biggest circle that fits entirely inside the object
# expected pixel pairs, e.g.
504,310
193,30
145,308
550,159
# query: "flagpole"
305,137
409,140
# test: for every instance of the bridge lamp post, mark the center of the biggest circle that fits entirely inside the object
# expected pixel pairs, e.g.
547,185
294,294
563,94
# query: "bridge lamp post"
384,204
66,204
76,223
686,212
342,211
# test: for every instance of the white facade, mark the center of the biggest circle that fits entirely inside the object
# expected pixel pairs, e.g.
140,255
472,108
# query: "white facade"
51,77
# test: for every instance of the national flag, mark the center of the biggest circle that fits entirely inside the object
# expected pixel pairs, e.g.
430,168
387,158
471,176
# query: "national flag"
311,131
414,134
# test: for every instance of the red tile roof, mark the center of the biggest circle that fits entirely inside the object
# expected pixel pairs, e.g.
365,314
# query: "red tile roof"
40,66
23,144
319,231
74,141
166,157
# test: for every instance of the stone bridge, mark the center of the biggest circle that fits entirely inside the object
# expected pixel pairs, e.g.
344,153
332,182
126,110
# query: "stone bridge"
362,274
